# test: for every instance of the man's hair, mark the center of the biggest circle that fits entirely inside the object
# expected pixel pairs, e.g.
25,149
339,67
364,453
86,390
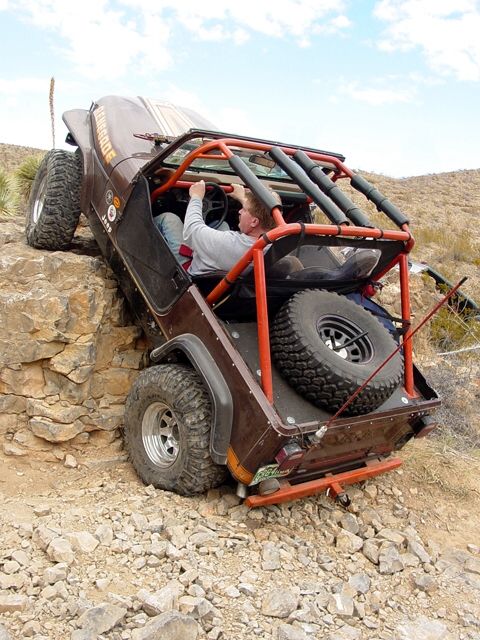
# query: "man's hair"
258,210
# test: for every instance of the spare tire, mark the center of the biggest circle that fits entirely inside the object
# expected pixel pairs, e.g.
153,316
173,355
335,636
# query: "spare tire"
326,346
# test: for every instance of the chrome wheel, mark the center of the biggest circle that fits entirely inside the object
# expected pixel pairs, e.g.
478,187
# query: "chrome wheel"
160,434
345,338
39,200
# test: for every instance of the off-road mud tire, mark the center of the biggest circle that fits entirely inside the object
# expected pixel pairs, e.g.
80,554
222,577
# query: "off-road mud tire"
322,375
54,206
175,393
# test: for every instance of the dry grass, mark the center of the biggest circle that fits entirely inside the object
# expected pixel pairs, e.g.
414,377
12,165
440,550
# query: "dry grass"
459,247
452,331
435,464
456,378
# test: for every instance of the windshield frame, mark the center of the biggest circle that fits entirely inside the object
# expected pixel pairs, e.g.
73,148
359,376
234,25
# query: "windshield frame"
205,136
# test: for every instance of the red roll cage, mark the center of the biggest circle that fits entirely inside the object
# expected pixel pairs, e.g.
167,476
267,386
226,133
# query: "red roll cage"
219,149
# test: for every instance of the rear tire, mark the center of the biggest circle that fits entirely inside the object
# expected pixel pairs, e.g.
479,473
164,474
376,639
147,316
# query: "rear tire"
54,206
307,346
168,421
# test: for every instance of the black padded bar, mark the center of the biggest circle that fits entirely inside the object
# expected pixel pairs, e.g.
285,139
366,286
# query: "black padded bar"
379,200
332,190
297,174
253,183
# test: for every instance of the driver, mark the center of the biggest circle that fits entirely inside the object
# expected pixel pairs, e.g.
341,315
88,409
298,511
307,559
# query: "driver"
215,249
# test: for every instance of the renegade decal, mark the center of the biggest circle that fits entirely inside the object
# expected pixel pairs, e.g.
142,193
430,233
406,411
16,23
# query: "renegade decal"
111,213
116,202
106,147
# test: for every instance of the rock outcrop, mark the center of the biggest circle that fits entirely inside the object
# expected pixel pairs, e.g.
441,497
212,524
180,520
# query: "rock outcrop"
69,351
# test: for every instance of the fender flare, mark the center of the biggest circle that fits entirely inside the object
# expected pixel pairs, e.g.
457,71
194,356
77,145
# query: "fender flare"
212,377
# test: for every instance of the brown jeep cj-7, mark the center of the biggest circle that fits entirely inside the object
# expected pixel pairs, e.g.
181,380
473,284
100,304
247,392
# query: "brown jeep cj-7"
284,370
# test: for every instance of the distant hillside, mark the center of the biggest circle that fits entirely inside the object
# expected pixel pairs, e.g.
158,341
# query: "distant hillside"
11,155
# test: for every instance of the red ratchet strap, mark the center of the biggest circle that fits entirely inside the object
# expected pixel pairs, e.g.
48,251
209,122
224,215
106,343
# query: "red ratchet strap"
186,252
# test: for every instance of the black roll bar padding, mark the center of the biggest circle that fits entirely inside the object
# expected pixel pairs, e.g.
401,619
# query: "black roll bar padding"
379,200
332,190
253,183
333,213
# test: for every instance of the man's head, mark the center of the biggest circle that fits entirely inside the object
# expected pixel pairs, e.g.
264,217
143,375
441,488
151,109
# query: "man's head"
255,217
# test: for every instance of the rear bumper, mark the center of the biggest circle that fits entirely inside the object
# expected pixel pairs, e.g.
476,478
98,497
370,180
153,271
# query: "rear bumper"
331,483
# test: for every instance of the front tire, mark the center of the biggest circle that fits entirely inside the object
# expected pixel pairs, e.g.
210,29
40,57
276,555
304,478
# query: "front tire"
54,206
168,420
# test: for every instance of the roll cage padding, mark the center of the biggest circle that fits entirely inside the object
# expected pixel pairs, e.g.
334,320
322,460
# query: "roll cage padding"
253,183
212,377
379,200
297,174
332,190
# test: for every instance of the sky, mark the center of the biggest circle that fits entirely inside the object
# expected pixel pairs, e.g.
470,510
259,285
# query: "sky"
394,85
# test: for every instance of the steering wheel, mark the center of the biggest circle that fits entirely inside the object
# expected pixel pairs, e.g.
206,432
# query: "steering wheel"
215,205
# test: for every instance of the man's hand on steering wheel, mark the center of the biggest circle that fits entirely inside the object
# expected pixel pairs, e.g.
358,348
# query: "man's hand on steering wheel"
197,190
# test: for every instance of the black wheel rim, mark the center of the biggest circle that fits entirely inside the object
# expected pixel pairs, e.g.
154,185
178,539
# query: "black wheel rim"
160,435
345,338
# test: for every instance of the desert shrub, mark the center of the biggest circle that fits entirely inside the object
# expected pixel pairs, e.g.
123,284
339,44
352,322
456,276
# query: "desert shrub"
450,331
462,249
8,195
25,174
454,378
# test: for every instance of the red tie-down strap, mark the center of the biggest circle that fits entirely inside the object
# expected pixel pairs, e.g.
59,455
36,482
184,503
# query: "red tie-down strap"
186,252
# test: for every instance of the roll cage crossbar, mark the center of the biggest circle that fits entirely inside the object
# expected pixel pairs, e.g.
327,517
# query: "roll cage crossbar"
347,219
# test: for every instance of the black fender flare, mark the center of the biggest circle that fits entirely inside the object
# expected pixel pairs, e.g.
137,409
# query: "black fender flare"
207,369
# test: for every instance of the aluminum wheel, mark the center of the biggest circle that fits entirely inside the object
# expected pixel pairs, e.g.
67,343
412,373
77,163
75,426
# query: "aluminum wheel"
345,338
39,200
160,434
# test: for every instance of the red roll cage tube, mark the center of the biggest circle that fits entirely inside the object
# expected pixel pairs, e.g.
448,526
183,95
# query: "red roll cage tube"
255,253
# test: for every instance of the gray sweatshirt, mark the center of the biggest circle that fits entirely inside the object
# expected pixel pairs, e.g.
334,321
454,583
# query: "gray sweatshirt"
213,250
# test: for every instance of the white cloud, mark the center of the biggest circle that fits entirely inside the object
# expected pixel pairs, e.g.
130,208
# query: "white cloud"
447,32
275,18
99,37
378,95
341,22
13,88
184,98
108,38
231,119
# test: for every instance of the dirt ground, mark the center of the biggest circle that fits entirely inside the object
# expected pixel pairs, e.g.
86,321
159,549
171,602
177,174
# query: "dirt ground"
441,486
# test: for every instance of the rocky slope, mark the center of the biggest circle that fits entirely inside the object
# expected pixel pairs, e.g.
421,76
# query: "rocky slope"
97,555
69,355
87,552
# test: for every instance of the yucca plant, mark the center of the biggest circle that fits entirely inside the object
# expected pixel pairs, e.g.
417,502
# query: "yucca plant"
8,195
25,175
